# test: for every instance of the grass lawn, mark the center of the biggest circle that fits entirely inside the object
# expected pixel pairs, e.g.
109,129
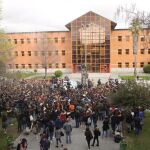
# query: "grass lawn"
141,142
12,131
132,77
20,75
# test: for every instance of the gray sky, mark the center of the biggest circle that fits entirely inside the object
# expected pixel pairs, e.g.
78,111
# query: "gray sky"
47,15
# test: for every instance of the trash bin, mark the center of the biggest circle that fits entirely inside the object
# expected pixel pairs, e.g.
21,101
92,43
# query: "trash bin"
123,145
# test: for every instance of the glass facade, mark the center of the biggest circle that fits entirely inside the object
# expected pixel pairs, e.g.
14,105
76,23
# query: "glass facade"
90,36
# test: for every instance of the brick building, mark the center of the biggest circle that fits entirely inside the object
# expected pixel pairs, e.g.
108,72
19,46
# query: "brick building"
91,39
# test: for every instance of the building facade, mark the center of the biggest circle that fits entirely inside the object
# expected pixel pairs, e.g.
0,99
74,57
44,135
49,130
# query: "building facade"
91,40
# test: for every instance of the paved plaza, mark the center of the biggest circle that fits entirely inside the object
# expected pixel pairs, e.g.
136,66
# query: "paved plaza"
78,141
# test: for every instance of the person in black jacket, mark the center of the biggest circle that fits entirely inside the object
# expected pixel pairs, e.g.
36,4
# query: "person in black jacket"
89,136
97,133
105,126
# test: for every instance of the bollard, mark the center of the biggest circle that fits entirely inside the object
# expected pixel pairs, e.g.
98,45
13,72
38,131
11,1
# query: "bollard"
123,145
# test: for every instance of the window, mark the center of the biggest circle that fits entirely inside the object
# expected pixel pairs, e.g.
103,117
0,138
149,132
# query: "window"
142,38
56,40
119,65
22,41
127,64
15,41
28,41
149,63
36,66
29,53
43,53
16,53
49,53
49,40
148,51
63,39
142,51
56,52
127,51
127,38
119,38
63,65
23,66
50,65
133,64
56,65
119,51
142,64
35,40
9,53
17,66
22,53
63,52
10,66
30,66
35,53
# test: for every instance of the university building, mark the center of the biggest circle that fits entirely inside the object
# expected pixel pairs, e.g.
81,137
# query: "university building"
91,40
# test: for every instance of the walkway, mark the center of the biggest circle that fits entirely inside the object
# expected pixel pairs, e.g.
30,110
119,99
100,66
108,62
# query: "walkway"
78,142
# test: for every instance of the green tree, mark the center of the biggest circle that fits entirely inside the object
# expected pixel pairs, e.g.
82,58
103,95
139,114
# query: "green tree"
5,47
131,94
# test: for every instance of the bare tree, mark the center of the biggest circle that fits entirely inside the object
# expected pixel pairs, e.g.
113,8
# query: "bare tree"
46,48
138,21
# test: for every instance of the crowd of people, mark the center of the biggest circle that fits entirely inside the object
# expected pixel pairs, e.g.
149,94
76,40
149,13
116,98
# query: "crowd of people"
45,107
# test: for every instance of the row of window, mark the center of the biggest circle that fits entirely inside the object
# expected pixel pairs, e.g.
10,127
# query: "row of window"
127,65
30,66
35,40
127,38
39,53
127,51
62,39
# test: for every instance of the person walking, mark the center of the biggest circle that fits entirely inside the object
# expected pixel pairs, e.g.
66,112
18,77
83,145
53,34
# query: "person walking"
68,129
58,137
89,136
97,133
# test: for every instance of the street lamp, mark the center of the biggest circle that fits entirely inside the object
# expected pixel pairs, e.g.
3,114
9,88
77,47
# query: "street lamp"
84,74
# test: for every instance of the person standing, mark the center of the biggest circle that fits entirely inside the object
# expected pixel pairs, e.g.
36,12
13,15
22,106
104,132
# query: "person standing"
97,133
68,129
22,145
105,126
44,143
4,122
89,136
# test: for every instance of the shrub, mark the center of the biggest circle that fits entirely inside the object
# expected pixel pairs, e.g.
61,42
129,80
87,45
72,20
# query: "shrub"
146,69
131,94
58,73
35,70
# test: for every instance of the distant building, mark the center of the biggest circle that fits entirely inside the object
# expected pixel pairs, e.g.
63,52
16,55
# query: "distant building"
91,40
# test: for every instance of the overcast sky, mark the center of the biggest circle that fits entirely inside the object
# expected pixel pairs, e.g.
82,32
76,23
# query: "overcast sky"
53,15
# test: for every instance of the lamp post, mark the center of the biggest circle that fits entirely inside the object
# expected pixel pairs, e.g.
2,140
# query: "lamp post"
84,74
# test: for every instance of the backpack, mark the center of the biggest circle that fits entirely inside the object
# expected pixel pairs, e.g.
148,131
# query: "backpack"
68,128
89,120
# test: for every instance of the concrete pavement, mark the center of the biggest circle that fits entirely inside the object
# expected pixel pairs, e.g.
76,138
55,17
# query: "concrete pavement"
78,141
